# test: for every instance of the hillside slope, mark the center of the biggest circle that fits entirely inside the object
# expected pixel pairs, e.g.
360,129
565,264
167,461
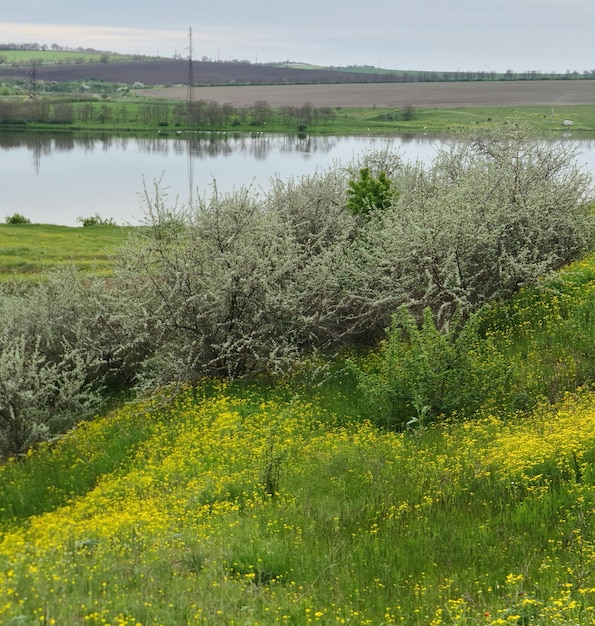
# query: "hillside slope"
175,72
241,505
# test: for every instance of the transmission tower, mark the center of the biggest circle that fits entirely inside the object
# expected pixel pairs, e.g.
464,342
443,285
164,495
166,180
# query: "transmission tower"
190,74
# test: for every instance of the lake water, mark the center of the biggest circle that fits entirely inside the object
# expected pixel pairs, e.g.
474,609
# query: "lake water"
60,178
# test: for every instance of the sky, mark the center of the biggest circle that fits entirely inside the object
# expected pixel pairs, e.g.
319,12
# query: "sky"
427,35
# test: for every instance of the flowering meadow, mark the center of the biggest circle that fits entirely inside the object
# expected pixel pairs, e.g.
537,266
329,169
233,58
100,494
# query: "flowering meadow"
237,508
254,503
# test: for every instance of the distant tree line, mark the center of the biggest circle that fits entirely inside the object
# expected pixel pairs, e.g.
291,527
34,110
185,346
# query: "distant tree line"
437,77
201,113
45,47
258,114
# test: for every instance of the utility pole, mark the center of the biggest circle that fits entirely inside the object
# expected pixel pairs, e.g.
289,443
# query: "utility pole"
190,75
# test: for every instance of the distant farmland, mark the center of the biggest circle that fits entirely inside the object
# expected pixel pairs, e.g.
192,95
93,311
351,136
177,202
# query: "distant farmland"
423,95
242,84
175,72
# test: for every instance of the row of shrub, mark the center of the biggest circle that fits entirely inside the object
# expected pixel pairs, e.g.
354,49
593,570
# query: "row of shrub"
92,220
249,283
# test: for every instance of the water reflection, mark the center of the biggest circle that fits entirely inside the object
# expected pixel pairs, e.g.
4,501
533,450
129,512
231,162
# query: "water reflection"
200,145
60,178
208,144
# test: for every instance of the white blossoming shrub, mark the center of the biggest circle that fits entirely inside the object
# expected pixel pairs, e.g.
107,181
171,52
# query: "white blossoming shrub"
246,283
64,343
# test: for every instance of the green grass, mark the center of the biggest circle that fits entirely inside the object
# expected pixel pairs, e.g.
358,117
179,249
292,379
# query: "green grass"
134,115
22,57
378,121
30,251
251,509
267,503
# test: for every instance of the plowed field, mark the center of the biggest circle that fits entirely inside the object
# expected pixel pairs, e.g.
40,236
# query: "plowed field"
423,95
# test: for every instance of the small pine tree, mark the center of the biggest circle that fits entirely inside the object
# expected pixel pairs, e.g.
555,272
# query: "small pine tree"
368,192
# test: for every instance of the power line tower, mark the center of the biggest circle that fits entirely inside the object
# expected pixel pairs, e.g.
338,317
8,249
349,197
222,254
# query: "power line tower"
190,75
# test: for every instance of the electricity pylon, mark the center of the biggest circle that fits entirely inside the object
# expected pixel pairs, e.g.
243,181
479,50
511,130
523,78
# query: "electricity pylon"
190,75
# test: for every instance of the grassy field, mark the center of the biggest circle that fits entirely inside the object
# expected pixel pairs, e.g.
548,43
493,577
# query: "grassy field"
444,120
124,115
29,251
23,57
255,504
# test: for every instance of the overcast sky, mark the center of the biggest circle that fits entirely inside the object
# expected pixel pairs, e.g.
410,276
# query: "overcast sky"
465,35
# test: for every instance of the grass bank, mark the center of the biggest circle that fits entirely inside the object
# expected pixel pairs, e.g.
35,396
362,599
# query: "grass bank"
263,504
137,114
30,251
444,120
229,508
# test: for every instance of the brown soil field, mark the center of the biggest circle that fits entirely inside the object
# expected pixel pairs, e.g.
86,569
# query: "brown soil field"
421,95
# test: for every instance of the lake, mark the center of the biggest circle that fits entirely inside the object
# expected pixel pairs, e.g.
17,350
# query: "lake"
60,178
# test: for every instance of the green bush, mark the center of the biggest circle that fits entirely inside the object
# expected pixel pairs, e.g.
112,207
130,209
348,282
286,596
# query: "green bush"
96,220
407,113
368,192
17,218
506,358
421,373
